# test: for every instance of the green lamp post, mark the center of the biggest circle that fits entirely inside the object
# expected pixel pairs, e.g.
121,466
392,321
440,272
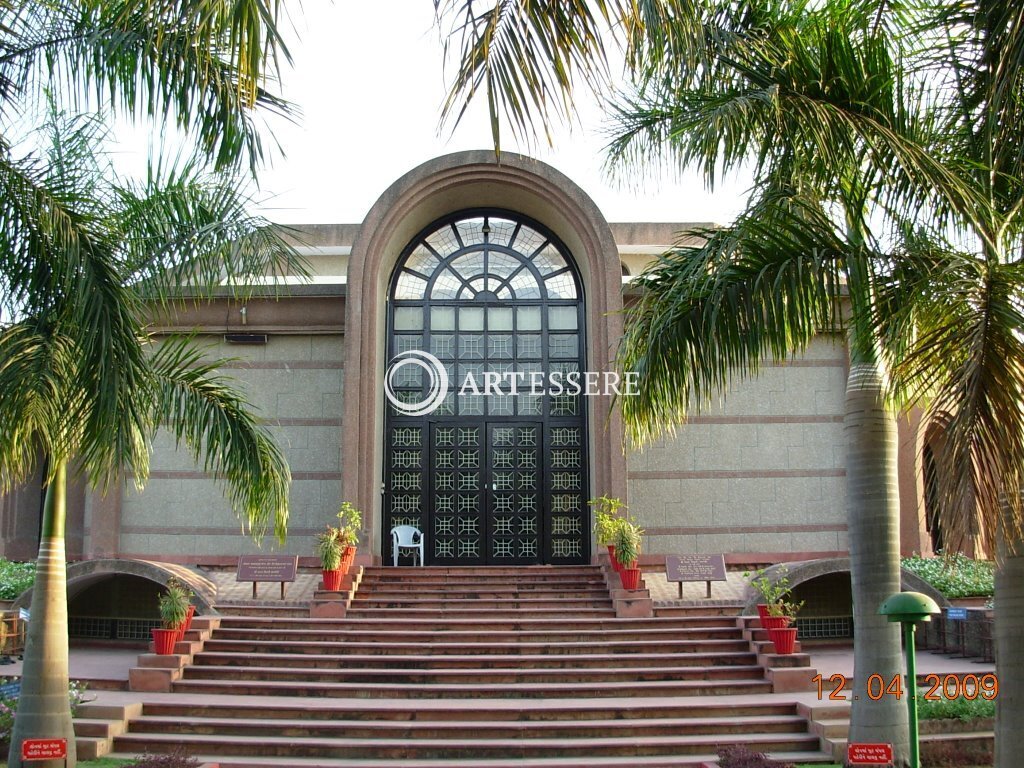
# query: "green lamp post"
908,608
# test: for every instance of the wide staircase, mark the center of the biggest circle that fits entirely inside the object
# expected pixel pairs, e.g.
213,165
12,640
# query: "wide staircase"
476,667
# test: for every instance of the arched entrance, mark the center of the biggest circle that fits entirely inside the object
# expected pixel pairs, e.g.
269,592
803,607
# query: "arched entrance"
495,472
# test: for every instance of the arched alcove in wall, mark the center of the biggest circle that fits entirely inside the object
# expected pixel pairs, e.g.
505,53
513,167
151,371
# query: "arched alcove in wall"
116,599
824,587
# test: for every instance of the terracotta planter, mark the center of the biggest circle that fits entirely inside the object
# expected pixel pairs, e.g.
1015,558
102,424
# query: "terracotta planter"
775,622
332,580
347,558
784,639
188,617
611,553
630,578
164,640
762,612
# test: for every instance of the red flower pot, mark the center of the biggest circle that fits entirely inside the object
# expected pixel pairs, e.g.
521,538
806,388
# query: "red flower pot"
188,617
775,622
347,557
762,613
332,580
630,578
164,640
784,639
611,553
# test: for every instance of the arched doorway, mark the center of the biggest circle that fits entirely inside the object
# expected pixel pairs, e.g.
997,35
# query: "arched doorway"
495,474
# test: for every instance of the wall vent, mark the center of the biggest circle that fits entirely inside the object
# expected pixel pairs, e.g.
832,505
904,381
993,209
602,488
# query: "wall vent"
245,338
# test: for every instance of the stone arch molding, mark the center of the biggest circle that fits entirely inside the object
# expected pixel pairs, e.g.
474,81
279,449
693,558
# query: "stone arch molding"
81,575
801,572
442,186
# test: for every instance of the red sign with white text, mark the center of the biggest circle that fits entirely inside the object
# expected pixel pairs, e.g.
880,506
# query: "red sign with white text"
44,749
869,754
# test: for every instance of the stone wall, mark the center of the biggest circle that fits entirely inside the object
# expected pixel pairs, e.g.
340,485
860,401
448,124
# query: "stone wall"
295,383
763,473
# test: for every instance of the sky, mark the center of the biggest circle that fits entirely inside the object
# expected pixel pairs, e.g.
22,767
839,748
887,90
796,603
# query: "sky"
369,79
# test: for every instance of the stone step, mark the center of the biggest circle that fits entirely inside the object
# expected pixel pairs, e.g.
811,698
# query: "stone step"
253,761
378,690
265,609
732,610
483,677
477,661
476,710
444,638
635,761
498,623
442,612
473,589
508,574
481,594
456,748
453,729
628,761
452,634
364,604
396,647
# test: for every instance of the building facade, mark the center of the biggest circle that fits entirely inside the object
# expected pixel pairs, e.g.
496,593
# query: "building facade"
508,274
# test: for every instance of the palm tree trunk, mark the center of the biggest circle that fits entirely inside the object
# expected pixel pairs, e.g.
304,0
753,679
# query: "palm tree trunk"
1009,660
874,539
44,711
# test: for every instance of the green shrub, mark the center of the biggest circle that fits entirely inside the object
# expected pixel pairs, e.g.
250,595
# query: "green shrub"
955,709
956,576
15,578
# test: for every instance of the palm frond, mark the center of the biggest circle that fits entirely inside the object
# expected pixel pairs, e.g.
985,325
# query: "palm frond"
39,408
211,418
962,358
204,65
760,289
812,89
186,230
527,57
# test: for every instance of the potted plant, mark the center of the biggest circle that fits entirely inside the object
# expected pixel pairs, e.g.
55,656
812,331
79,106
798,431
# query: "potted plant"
606,520
173,606
330,547
770,589
627,550
783,636
350,522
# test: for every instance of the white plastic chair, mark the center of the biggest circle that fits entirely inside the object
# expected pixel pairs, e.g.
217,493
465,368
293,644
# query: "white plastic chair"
406,537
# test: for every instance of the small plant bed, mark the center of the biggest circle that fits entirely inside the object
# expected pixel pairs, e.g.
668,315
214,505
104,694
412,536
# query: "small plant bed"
739,756
15,578
956,576
960,708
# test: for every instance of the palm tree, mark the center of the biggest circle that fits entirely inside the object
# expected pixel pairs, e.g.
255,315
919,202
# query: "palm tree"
75,379
84,259
846,124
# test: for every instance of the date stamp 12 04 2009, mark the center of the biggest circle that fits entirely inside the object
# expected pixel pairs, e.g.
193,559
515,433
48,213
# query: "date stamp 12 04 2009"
938,687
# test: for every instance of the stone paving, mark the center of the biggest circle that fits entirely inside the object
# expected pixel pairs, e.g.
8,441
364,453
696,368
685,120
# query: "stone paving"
230,590
732,591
